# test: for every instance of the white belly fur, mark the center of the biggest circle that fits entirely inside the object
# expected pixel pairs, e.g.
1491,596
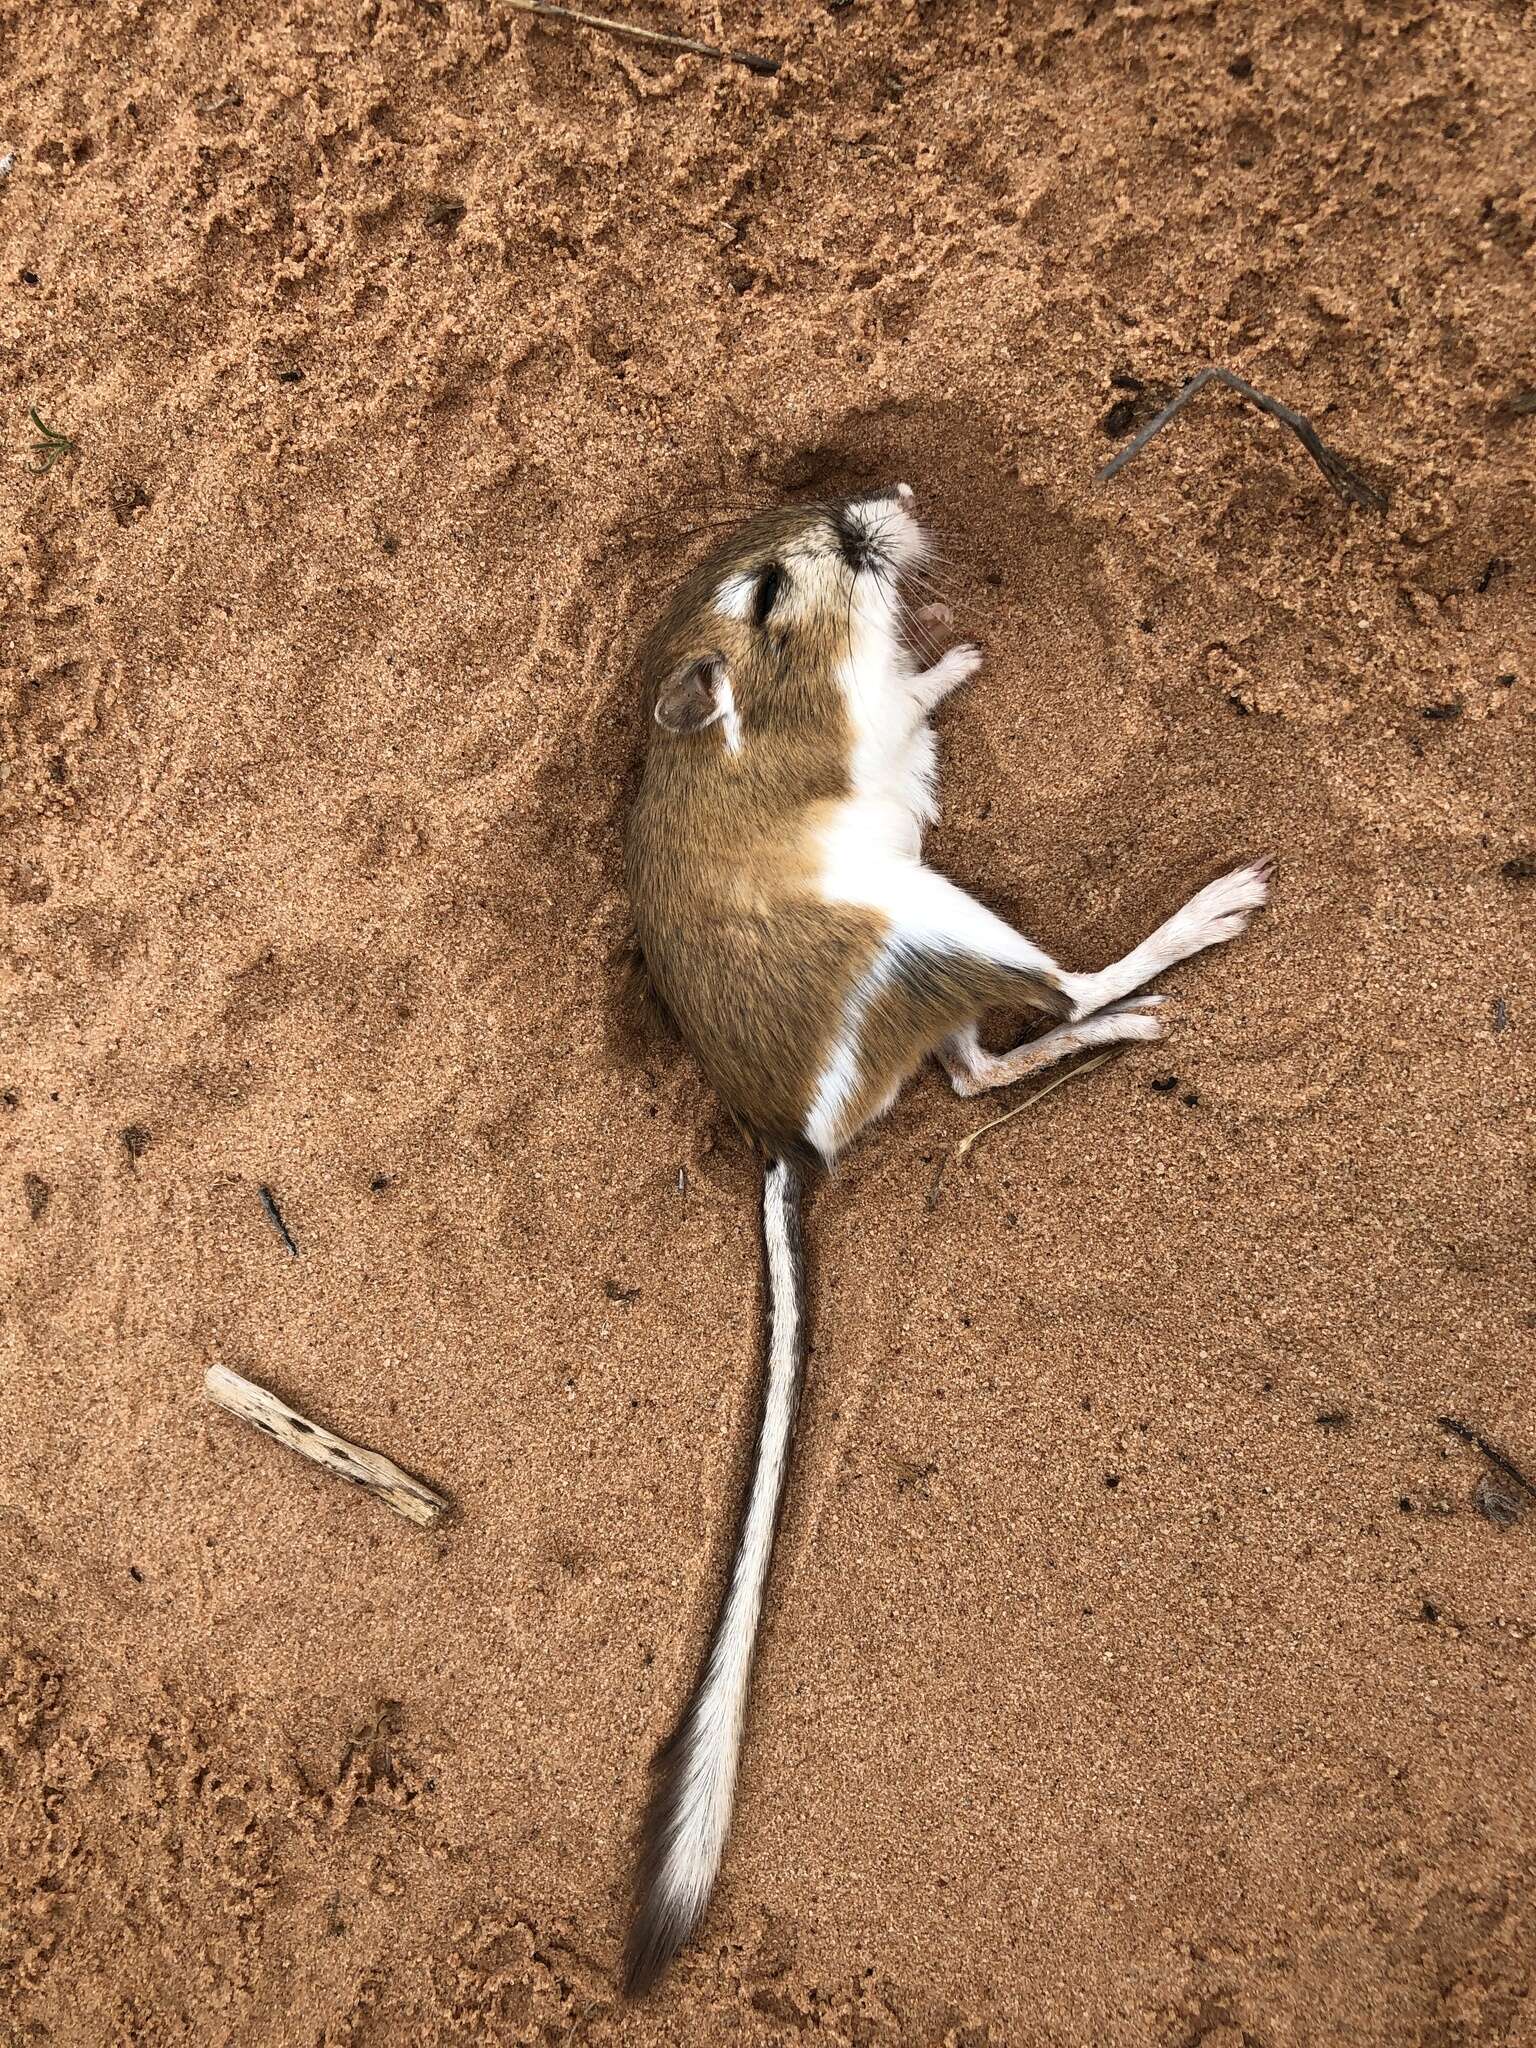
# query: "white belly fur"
872,846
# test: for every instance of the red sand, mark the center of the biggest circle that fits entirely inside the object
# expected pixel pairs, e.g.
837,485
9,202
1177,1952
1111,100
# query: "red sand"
1112,1694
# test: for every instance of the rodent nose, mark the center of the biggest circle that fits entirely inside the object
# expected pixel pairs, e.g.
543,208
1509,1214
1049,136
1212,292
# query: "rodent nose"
852,540
906,495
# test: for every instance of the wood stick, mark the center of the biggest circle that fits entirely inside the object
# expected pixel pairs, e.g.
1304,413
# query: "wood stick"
1343,479
275,1218
764,66
368,1469
1490,1451
1029,1102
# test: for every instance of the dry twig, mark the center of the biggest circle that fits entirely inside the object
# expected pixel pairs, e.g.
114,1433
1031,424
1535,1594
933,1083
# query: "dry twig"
1343,479
1039,1095
766,67
368,1469
1491,1452
275,1218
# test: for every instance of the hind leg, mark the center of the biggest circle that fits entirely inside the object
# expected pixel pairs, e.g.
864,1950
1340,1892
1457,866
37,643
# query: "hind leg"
972,1071
948,959
1217,913
928,911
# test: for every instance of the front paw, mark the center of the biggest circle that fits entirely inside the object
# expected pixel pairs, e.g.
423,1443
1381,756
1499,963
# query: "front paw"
951,670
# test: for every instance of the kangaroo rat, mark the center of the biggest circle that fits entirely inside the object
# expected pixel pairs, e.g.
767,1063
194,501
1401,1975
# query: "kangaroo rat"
811,961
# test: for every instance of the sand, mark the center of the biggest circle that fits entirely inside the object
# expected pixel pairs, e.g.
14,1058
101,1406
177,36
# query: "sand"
1141,1667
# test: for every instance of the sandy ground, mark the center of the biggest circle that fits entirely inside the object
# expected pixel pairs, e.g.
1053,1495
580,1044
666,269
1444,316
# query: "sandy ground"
1141,1669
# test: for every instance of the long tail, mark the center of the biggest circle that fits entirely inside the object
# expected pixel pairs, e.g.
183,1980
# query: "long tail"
694,1783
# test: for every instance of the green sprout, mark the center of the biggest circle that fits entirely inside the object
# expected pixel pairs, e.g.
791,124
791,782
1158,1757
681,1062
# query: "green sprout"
52,448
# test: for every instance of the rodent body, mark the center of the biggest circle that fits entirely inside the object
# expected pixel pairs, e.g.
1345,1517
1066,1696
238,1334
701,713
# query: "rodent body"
775,848
812,961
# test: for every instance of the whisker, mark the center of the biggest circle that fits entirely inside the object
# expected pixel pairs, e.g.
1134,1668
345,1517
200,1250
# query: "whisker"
922,638
938,564
927,590
920,572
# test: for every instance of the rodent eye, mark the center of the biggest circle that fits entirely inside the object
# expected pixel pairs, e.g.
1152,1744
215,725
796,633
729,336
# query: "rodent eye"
766,595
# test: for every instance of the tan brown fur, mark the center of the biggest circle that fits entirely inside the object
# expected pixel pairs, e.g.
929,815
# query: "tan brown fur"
930,996
723,865
753,966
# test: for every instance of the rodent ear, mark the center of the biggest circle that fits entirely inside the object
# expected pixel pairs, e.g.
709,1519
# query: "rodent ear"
693,698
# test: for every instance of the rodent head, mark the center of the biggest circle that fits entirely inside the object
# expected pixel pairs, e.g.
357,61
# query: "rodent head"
775,607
